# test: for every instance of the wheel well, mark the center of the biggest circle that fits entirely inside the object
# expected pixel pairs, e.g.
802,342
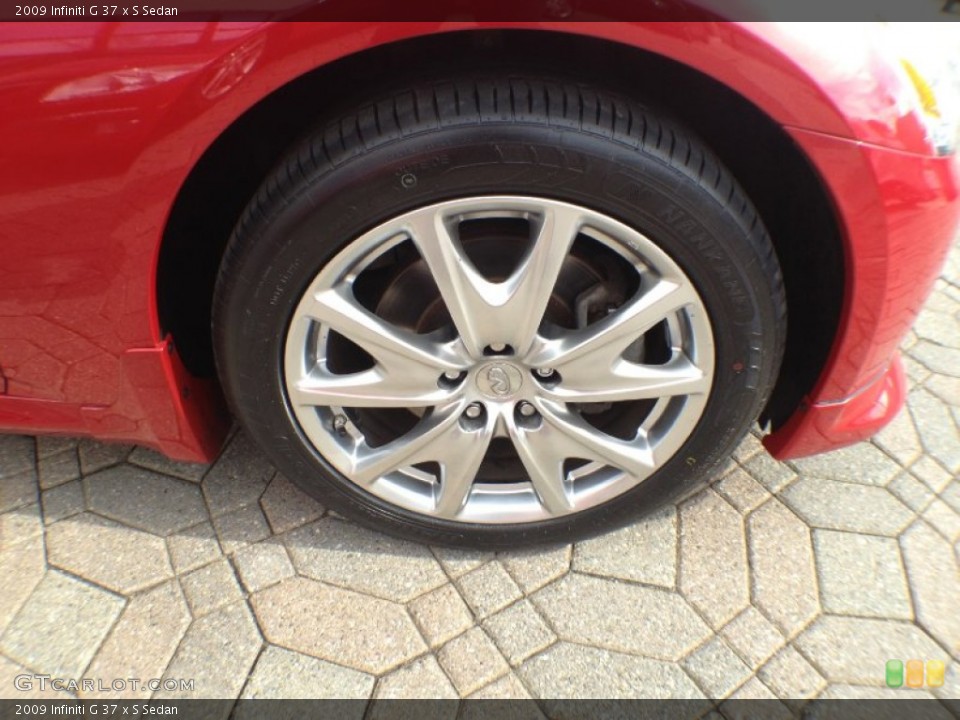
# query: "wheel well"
772,170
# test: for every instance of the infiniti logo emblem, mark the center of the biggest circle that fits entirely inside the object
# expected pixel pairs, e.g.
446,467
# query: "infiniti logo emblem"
498,380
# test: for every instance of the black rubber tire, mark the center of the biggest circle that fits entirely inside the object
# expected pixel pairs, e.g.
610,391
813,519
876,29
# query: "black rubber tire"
475,135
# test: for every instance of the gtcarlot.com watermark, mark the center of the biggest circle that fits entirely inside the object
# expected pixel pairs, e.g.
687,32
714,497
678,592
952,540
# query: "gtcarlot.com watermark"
26,683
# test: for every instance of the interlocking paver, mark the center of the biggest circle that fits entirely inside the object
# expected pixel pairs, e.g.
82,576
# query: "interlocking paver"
911,492
774,476
748,447
853,649
241,527
752,690
508,687
239,476
142,642
937,358
618,616
900,439
753,636
17,455
781,557
26,564
472,660
519,632
456,562
488,589
17,489
441,615
18,472
717,669
281,673
60,627
144,499
263,565
211,587
193,547
56,466
152,460
946,388
942,517
932,570
644,552
347,555
860,463
96,456
951,496
51,445
931,473
740,490
938,432
62,501
287,506
861,575
916,372
713,557
532,569
217,653
577,671
342,626
847,506
108,553
21,524
421,678
789,675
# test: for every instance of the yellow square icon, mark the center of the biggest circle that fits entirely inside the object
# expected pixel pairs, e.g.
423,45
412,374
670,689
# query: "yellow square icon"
935,669
915,673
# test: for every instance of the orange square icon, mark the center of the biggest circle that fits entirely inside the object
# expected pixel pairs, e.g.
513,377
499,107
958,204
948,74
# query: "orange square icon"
915,673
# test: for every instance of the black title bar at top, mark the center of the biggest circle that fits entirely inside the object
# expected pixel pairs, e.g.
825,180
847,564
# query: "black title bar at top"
480,10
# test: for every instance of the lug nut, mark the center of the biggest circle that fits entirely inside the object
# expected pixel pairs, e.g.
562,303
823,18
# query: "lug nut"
452,374
526,409
474,410
544,372
498,347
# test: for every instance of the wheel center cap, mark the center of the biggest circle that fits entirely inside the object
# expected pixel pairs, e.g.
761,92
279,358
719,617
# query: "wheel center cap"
499,380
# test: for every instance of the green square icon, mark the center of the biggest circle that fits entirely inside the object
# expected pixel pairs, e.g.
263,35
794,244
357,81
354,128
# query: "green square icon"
894,673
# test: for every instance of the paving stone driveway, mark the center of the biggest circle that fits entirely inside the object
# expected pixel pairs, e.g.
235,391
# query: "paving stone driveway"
792,580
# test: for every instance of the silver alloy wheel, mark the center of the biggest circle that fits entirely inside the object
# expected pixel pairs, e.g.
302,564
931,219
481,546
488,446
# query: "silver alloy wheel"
502,373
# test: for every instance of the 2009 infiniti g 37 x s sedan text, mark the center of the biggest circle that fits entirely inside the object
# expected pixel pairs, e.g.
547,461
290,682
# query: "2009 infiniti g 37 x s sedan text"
469,282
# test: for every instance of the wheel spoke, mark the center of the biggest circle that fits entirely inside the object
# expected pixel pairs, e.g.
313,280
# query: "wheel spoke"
407,369
401,349
459,453
369,464
583,383
506,312
370,388
439,438
600,344
542,453
582,440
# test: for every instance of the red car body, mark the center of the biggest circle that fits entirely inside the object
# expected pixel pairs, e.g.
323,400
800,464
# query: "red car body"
103,123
